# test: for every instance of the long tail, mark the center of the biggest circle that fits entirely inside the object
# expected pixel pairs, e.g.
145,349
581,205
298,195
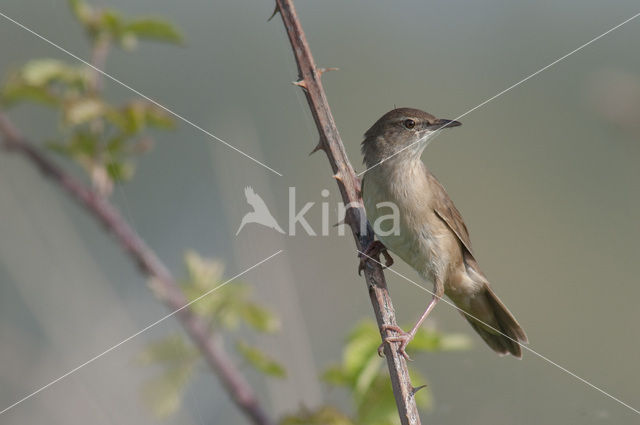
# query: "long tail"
508,335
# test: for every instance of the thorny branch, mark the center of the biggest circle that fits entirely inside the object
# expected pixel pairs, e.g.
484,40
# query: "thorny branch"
349,185
165,285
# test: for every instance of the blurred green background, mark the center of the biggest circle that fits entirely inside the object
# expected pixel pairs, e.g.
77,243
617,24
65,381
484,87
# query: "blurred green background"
546,177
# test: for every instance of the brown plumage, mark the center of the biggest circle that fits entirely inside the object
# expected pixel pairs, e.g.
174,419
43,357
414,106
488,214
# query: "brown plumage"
431,235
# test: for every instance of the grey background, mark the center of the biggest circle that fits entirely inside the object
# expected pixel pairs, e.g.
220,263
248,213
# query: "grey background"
546,177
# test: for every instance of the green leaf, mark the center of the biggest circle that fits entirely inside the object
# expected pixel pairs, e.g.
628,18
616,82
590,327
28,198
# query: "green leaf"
129,118
259,318
84,110
81,10
15,92
378,406
360,360
159,118
172,350
39,72
82,144
202,272
46,81
260,360
335,375
431,340
361,364
119,171
363,374
116,145
154,29
362,344
367,375
111,22
325,415
135,116
225,306
163,395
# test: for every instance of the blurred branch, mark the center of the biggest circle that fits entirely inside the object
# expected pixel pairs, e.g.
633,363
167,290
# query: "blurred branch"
349,185
166,287
99,53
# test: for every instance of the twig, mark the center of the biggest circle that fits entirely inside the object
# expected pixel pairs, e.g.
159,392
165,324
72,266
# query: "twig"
99,53
167,290
349,185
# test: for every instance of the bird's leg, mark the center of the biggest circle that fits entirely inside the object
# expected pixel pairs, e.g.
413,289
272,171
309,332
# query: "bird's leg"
374,250
404,338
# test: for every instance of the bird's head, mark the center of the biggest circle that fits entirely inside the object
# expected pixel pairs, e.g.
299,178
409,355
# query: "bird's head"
401,133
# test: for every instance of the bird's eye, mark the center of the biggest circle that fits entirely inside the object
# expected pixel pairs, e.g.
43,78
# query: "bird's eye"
409,123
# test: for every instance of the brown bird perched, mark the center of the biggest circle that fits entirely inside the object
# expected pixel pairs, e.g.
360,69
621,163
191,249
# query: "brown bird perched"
430,234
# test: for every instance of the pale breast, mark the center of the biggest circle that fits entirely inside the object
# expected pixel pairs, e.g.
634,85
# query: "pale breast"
420,239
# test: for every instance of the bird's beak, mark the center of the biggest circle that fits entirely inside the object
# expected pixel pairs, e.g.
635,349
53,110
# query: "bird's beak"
442,123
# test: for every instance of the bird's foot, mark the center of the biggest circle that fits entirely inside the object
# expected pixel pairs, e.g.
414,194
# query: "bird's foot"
373,251
402,337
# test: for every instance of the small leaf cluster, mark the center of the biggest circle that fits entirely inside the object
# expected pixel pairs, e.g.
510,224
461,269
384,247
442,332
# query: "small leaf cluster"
362,372
108,24
100,136
325,415
226,306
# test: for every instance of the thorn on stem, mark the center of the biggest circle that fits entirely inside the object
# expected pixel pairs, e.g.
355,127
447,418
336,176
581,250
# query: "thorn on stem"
323,70
275,12
415,390
300,83
318,147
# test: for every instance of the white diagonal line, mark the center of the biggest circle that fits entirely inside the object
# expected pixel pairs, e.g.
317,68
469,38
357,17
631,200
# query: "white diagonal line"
546,359
175,114
511,87
146,328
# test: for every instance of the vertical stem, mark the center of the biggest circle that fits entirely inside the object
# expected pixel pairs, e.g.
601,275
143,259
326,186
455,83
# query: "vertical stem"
349,185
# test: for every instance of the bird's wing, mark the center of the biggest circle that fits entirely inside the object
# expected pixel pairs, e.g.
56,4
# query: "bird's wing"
447,211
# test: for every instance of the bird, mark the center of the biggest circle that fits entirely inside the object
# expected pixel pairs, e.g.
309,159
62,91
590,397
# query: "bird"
260,213
430,234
